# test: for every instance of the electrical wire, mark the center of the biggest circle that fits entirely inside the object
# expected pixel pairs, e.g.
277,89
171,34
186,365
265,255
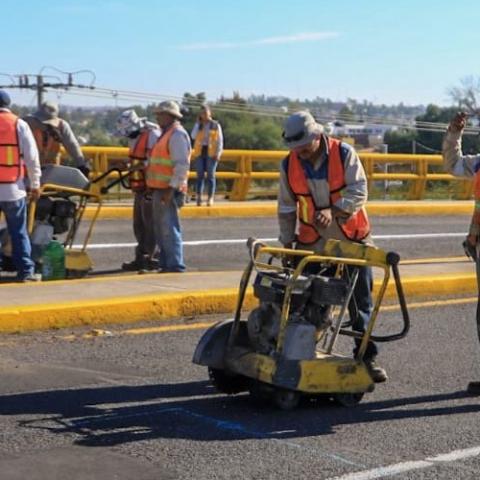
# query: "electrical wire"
78,72
227,106
428,149
360,118
253,109
249,108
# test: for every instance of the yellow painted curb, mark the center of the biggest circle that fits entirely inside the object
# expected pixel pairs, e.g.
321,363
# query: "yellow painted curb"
436,286
249,209
188,304
418,208
116,310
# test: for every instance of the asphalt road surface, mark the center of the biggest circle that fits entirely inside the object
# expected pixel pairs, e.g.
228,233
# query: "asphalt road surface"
127,406
412,237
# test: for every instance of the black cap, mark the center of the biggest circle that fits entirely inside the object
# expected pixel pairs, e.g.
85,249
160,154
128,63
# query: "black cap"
4,99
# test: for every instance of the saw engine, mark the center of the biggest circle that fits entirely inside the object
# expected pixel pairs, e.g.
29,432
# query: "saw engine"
310,313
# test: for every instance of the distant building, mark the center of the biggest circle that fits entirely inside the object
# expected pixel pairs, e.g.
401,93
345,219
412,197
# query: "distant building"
365,134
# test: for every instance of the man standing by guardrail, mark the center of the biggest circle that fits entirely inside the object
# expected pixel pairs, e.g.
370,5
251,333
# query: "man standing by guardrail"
50,132
167,176
466,166
142,136
207,148
323,188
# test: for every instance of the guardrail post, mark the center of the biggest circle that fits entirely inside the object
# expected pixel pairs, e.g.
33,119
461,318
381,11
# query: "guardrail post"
100,165
368,166
96,171
236,193
417,189
466,190
248,177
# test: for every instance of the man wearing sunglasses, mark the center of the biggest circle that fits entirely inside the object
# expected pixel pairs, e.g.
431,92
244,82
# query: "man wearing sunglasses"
323,190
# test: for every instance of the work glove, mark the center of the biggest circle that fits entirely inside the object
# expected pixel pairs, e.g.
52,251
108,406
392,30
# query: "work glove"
289,261
85,170
458,122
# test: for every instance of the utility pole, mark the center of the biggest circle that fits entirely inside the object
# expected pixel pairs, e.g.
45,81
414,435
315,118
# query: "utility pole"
41,83
40,90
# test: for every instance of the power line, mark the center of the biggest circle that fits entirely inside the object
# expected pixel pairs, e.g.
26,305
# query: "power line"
41,85
40,82
428,149
278,112
252,109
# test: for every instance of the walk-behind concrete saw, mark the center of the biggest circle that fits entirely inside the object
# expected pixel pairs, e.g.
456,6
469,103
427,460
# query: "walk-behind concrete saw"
59,212
287,347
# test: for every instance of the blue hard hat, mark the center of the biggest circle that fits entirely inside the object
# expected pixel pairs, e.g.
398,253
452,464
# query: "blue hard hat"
4,99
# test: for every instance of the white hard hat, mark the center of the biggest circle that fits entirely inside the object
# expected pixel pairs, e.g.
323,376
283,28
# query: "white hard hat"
128,122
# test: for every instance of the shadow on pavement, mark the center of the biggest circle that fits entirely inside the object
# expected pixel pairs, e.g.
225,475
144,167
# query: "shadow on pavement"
108,416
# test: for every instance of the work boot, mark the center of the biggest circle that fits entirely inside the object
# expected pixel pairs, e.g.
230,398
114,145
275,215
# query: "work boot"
473,388
134,265
210,201
378,374
199,200
150,265
30,277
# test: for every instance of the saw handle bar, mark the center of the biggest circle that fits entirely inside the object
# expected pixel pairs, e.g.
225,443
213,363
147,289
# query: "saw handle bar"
393,260
122,176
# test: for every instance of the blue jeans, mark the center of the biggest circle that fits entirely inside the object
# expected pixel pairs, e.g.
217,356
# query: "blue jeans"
361,306
168,232
206,165
16,216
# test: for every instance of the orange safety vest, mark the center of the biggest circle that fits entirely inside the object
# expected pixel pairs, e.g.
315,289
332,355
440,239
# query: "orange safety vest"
160,165
138,157
356,227
212,140
476,196
48,146
476,187
11,164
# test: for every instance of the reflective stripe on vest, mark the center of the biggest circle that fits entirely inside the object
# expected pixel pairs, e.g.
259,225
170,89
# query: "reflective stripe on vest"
356,227
48,147
10,159
138,158
160,166
212,140
476,184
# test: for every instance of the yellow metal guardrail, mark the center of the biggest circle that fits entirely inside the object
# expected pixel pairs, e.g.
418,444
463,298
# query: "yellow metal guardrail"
242,167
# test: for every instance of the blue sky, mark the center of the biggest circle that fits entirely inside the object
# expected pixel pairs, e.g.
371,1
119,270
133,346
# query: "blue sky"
382,51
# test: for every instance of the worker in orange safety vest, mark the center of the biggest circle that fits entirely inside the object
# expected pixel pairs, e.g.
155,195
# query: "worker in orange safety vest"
142,136
466,166
167,176
18,158
51,132
322,195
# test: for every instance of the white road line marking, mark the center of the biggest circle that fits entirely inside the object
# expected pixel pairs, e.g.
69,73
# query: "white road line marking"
232,241
402,467
418,235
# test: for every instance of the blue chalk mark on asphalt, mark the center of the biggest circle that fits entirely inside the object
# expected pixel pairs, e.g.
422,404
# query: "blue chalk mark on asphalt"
217,423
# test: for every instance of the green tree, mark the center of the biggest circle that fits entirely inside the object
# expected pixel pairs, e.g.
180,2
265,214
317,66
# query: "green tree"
400,141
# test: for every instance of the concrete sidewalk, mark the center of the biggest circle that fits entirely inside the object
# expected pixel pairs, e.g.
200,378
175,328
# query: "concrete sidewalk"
131,298
269,209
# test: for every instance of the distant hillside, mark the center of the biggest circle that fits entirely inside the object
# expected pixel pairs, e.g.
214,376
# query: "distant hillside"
254,123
